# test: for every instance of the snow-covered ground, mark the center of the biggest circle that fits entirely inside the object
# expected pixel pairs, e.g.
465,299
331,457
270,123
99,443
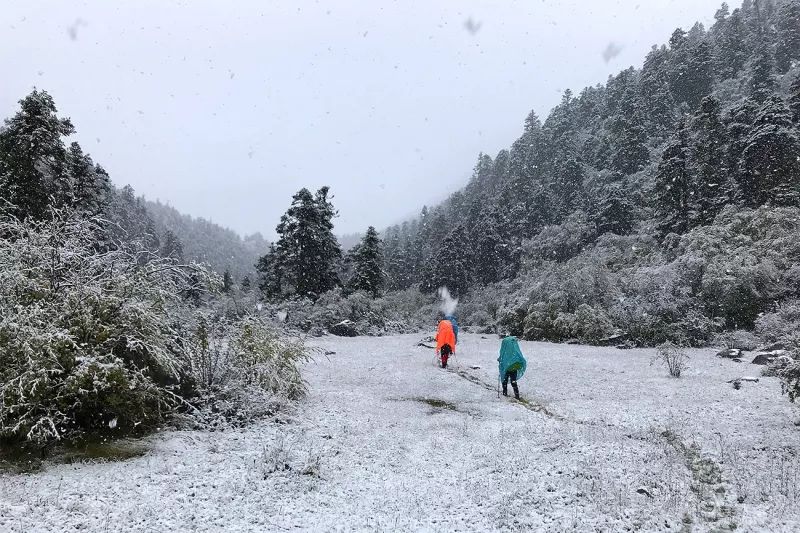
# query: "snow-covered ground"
388,442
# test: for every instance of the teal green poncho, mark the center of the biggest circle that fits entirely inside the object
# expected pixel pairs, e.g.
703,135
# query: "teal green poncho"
511,358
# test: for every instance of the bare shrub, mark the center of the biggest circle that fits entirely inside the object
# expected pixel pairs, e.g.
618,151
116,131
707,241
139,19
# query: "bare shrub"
275,457
673,357
738,339
244,368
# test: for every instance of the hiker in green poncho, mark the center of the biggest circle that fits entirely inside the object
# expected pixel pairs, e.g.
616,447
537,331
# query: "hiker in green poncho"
512,364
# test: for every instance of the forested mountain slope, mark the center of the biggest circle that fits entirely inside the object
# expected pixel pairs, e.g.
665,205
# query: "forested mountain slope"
203,241
39,172
663,203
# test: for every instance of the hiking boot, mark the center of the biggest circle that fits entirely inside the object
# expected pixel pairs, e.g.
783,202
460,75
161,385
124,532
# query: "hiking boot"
505,390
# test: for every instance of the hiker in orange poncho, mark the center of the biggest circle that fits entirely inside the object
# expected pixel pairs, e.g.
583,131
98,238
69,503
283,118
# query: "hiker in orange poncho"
445,341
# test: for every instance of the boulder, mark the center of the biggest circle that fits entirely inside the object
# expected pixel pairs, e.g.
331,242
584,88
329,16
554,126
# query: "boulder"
345,328
765,358
730,353
611,340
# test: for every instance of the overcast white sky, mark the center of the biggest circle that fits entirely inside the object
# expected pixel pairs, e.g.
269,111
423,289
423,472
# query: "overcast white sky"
224,109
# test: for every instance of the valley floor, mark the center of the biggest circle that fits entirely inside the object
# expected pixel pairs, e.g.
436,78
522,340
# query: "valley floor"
386,441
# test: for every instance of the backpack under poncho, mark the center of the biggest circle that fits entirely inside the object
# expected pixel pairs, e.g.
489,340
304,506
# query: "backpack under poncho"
453,322
511,358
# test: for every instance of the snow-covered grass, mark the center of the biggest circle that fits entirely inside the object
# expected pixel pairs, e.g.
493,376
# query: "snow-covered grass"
385,441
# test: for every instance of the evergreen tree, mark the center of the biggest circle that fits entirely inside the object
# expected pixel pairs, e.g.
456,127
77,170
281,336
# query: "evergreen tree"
787,26
730,51
368,275
690,66
614,211
193,292
88,185
629,152
450,266
568,188
307,254
172,247
712,187
678,59
227,282
794,99
770,161
655,97
519,194
739,123
246,284
699,72
270,270
32,155
720,19
673,185
559,131
754,21
524,157
130,221
331,253
762,82
490,253
419,250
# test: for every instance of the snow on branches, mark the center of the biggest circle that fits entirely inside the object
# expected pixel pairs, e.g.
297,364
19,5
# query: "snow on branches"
87,333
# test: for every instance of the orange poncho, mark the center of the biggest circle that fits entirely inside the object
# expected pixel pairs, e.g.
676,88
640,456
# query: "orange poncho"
445,335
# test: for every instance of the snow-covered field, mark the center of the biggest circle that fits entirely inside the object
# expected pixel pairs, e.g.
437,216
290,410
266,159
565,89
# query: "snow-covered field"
388,442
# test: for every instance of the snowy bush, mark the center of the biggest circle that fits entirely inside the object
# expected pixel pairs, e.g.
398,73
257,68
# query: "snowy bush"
540,323
738,339
777,366
512,321
480,306
782,325
561,242
673,357
592,324
244,368
790,380
88,338
395,312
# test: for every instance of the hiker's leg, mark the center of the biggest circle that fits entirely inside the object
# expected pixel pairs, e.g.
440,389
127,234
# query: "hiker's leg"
513,375
505,384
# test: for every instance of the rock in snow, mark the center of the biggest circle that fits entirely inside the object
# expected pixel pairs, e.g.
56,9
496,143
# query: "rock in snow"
765,358
345,328
730,353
